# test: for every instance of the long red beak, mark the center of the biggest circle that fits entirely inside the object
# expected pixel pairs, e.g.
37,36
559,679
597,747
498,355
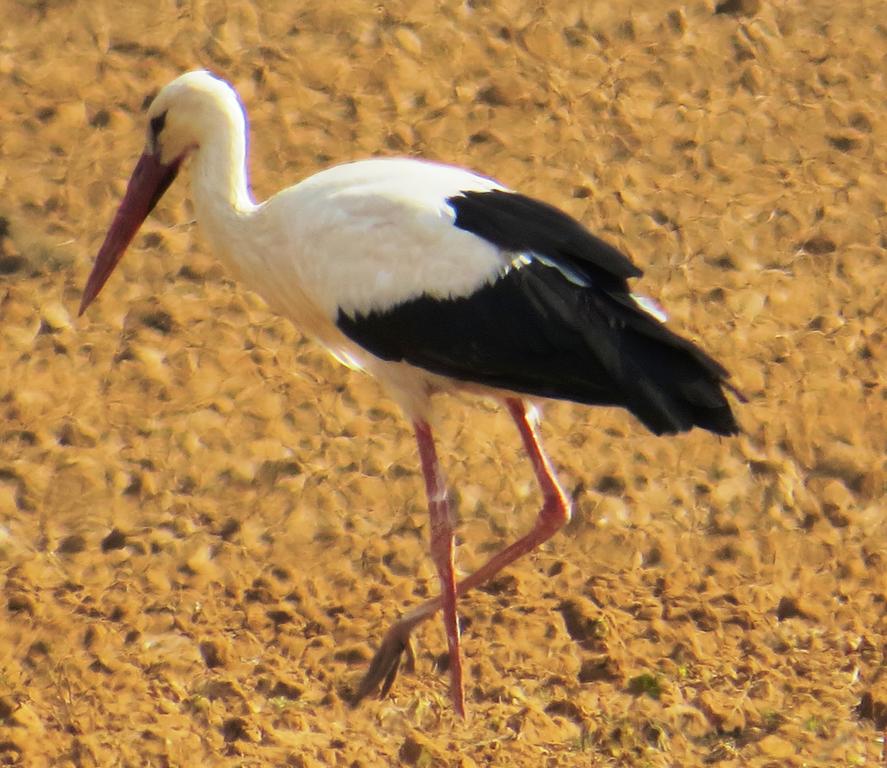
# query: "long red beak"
148,182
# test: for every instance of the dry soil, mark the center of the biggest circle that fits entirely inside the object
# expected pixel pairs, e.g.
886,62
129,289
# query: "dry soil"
206,525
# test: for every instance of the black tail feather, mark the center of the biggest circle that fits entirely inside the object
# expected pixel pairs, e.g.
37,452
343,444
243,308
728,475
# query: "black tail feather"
670,384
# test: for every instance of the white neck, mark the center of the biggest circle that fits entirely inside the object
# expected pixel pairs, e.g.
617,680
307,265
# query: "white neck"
220,190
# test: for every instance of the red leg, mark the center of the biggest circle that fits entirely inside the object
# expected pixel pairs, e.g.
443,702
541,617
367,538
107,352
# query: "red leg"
554,514
442,546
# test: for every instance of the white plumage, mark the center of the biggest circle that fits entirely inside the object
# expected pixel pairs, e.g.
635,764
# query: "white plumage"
429,277
395,210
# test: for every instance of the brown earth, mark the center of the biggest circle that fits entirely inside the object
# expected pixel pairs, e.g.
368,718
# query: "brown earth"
206,525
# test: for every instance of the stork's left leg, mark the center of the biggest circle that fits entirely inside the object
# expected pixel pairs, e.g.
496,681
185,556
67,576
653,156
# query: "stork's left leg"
554,514
442,546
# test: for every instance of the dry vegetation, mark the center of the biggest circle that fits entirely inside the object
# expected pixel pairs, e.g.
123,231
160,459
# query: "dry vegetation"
206,525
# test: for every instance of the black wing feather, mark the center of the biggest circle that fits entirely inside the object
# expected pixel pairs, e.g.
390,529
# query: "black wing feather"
518,223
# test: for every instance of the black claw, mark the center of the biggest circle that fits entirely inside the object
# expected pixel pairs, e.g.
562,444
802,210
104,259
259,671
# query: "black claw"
385,666
410,663
389,677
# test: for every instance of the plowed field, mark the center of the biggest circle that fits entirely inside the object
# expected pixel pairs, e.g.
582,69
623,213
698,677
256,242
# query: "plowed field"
206,524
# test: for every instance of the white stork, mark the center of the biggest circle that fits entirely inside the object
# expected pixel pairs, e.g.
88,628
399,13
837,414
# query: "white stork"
432,279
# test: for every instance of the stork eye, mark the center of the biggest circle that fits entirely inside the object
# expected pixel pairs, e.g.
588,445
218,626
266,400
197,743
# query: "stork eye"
157,124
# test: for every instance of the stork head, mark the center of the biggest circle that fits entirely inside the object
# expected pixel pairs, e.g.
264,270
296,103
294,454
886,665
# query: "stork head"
185,114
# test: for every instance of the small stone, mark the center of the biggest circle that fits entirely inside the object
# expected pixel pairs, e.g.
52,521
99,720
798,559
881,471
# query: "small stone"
71,545
776,746
212,655
116,539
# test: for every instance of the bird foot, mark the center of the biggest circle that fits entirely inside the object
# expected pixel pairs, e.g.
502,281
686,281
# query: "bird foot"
387,662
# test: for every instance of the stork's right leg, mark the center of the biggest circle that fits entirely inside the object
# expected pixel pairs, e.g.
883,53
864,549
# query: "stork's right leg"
554,514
